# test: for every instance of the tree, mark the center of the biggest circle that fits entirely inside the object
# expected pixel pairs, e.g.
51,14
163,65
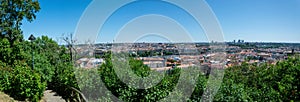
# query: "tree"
12,12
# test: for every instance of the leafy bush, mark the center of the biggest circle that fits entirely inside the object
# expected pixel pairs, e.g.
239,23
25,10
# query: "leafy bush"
262,82
64,79
248,82
21,83
90,84
128,93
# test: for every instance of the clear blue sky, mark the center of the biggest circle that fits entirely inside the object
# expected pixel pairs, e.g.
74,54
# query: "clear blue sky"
250,20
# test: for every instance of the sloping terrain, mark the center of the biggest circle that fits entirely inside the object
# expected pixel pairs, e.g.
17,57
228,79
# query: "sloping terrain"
5,98
50,96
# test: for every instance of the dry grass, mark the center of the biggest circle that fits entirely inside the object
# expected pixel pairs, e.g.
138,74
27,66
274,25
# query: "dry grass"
5,98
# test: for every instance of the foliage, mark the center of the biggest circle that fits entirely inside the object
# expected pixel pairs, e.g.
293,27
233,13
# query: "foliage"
64,79
248,82
5,50
45,54
17,79
125,93
262,82
53,68
91,85
128,93
199,89
49,63
11,53
12,12
139,68
21,83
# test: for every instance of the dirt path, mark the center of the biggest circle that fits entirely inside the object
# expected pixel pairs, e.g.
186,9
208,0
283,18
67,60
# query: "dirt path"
50,96
5,98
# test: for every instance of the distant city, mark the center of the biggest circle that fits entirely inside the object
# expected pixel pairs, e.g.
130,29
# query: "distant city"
163,56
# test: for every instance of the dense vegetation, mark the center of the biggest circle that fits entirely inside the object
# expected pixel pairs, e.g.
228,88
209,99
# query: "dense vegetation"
265,82
248,82
52,67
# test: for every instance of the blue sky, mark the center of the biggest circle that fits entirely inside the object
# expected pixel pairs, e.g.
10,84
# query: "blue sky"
250,20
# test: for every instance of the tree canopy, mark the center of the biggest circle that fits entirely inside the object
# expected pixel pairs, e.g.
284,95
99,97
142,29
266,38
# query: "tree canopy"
12,13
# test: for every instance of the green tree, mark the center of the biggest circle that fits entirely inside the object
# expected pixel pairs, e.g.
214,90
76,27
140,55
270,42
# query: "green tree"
63,79
127,93
12,12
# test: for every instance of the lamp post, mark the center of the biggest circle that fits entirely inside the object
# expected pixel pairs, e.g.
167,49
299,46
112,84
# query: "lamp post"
32,38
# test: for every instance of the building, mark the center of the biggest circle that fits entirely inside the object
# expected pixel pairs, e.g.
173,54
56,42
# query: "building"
154,62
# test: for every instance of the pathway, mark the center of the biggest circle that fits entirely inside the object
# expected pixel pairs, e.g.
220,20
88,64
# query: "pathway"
50,96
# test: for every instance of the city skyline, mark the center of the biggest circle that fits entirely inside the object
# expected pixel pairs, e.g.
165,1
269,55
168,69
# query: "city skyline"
252,21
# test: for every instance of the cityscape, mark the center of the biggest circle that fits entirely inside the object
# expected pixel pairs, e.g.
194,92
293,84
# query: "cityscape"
160,56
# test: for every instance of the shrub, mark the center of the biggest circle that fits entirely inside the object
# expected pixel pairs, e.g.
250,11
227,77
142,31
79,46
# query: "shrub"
21,83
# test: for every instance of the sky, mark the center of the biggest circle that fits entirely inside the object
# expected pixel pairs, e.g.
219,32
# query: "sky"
249,20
